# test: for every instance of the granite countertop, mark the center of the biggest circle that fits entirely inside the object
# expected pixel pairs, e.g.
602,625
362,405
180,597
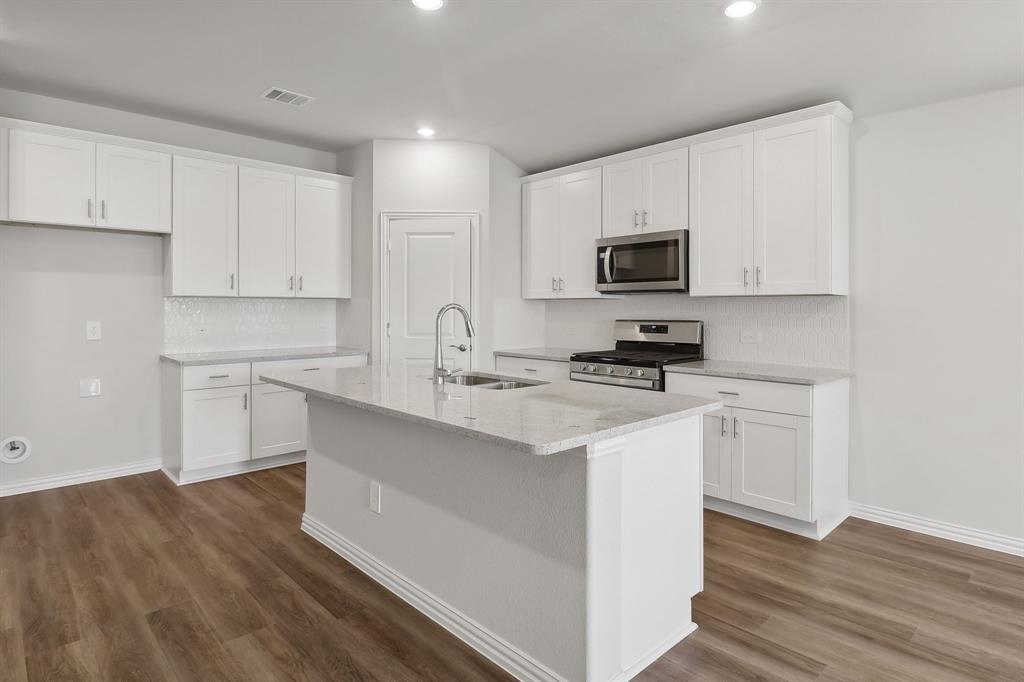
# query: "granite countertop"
264,355
785,374
559,354
538,420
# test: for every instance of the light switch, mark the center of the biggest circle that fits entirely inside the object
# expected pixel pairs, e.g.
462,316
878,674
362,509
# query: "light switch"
93,330
89,388
375,497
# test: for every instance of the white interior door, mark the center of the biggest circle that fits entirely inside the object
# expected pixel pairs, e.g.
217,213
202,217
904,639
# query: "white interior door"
429,265
53,179
721,217
133,187
266,233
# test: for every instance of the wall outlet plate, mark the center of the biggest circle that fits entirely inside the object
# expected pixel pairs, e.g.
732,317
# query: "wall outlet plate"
89,388
375,497
750,336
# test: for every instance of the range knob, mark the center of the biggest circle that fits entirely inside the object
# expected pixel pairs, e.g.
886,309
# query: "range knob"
610,370
628,371
589,368
639,372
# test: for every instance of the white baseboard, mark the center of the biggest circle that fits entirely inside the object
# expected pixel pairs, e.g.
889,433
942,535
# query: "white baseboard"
939,529
657,653
77,477
502,653
223,471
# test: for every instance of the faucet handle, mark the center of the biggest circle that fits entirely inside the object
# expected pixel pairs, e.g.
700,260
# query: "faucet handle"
462,347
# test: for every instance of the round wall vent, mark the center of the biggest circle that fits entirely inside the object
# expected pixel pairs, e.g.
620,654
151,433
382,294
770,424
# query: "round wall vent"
14,450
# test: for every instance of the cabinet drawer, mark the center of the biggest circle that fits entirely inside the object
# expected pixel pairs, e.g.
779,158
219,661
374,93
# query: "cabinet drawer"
753,395
311,365
216,376
548,370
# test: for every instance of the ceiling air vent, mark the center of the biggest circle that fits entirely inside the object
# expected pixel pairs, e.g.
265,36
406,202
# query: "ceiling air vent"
287,97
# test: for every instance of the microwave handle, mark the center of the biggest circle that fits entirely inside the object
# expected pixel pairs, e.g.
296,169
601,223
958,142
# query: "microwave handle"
608,255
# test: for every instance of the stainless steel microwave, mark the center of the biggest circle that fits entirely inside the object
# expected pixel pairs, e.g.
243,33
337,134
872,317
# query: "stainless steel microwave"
653,261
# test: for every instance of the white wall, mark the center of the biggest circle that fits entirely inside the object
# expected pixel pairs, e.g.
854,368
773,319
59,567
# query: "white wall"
54,279
414,175
937,312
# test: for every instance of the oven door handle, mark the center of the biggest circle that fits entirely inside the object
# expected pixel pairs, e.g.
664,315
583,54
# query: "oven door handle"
609,268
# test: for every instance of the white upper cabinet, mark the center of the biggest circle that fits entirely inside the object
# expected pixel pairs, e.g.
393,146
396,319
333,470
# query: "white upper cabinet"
622,197
579,228
204,245
266,233
792,208
133,189
721,216
666,191
561,222
52,179
540,238
323,237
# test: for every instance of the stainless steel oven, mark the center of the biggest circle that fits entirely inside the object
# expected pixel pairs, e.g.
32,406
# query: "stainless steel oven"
653,261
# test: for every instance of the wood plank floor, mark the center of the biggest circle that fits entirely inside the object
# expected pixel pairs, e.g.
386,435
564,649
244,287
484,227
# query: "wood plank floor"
136,579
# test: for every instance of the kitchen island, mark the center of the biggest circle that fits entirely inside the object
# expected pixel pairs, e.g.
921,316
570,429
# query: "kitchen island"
555,527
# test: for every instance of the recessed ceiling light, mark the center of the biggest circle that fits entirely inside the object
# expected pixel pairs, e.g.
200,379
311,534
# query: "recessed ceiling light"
426,132
429,5
741,8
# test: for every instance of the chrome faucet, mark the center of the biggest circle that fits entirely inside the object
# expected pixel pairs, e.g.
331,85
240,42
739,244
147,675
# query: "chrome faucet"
439,371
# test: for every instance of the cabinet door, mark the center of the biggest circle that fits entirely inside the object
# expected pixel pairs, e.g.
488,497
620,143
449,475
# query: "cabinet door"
666,191
215,427
771,462
204,242
540,238
133,187
266,233
721,217
53,179
579,226
323,238
278,421
621,198
792,185
717,444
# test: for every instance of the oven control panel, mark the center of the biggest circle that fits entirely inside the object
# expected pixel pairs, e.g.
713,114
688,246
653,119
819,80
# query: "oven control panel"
612,370
617,375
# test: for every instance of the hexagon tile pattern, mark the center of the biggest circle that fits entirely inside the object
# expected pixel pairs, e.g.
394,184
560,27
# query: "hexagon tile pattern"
199,324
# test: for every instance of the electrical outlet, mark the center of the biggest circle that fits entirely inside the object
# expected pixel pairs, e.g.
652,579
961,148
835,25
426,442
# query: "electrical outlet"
750,336
93,330
89,388
375,497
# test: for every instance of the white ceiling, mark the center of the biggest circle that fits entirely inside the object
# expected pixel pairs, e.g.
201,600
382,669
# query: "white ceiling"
544,82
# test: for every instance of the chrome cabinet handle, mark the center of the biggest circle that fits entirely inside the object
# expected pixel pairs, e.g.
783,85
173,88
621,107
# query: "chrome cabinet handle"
103,209
88,207
461,347
757,276
746,272
310,369
561,284
636,219
554,284
735,426
529,369
291,283
245,401
729,393
300,282
219,376
644,223
725,420
231,284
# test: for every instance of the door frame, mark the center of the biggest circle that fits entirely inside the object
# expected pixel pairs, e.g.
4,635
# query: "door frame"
384,268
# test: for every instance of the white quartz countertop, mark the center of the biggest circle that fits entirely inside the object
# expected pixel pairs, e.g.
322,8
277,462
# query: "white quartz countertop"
559,354
263,355
785,374
538,420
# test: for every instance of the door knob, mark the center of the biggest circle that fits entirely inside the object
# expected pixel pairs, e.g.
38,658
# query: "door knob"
462,347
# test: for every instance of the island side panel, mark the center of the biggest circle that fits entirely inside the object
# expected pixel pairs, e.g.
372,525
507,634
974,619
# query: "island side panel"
494,534
645,546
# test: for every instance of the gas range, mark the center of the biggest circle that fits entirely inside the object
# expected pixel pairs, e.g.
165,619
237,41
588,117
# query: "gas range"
642,349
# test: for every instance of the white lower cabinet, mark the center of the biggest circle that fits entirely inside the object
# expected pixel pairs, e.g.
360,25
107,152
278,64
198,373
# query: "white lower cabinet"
215,426
278,421
789,464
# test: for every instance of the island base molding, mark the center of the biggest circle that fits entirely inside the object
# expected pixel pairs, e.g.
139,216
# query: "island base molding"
815,530
575,566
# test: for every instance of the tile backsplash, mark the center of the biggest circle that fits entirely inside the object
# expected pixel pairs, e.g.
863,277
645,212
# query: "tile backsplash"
791,330
198,324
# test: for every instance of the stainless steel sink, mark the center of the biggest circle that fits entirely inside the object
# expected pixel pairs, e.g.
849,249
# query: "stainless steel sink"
509,384
470,379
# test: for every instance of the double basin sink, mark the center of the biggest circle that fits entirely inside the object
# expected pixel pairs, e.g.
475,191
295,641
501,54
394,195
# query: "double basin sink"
492,382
